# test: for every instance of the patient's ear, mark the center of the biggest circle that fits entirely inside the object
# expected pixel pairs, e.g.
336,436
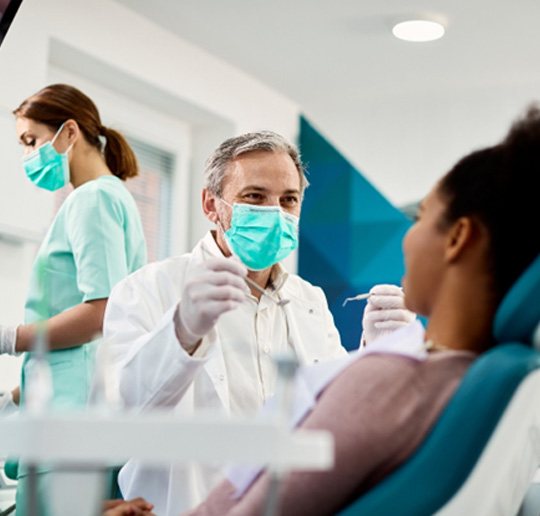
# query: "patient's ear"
460,236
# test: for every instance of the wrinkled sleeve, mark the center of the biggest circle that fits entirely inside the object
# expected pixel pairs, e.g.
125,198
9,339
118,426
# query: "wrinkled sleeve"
151,368
95,226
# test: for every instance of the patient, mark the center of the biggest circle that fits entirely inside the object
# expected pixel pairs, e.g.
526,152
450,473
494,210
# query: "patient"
461,256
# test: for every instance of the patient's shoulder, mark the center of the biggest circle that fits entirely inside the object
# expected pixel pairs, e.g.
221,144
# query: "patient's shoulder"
382,406
384,367
399,389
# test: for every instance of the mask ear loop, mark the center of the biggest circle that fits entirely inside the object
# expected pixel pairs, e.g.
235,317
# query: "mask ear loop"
57,133
70,146
220,226
56,136
226,202
218,223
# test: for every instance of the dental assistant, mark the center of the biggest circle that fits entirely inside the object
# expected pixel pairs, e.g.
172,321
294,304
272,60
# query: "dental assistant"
94,241
188,334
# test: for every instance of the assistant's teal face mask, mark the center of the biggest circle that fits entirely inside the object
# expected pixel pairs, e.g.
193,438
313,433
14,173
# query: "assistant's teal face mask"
261,236
46,167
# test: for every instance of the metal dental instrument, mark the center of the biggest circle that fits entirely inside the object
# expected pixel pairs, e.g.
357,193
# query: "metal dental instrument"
359,297
264,292
251,283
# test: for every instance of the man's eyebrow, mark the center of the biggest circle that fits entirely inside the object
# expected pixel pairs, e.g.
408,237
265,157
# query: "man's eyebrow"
254,187
292,191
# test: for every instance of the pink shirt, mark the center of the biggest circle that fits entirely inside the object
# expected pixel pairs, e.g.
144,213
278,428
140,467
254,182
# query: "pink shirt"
379,410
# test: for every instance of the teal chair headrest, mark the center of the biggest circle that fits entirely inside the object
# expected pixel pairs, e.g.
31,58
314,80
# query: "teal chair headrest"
518,314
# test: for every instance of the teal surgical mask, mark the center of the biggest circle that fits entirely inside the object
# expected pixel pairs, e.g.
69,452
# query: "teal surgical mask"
261,236
46,167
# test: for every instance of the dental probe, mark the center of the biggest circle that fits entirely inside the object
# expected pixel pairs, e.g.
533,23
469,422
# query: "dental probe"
359,297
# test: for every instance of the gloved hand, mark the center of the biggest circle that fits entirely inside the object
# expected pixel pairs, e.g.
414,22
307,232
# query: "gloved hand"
216,286
8,337
385,312
7,405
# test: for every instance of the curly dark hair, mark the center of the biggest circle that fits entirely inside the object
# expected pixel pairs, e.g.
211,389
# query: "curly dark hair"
499,186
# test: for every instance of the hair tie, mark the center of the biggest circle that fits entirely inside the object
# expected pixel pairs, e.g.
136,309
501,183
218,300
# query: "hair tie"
102,130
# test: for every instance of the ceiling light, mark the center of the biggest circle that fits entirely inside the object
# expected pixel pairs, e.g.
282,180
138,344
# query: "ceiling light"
418,30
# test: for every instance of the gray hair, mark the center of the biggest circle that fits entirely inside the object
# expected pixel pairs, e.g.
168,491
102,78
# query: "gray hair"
230,149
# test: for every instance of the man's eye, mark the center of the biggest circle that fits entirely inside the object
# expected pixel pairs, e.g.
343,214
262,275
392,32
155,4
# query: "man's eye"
253,196
290,200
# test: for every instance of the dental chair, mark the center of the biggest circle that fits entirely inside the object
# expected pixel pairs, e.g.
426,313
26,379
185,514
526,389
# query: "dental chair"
481,455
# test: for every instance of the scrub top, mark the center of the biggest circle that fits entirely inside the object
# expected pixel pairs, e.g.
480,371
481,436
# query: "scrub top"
95,240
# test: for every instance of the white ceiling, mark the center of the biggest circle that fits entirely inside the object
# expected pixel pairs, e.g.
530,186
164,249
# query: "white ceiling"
334,57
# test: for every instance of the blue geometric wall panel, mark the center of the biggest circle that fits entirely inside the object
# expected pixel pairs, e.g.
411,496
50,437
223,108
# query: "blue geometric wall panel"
350,234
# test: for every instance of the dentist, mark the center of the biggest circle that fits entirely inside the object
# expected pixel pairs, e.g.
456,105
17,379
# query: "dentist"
189,334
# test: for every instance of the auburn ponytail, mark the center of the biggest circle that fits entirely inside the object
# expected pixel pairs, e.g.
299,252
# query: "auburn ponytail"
119,156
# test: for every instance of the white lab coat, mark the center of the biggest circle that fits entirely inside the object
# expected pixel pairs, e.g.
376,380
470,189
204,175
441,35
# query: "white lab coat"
154,371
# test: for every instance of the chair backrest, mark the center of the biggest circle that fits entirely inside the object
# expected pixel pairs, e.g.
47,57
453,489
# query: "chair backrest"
424,483
518,315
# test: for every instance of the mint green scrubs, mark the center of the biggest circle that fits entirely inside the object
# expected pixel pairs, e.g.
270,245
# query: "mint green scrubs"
95,240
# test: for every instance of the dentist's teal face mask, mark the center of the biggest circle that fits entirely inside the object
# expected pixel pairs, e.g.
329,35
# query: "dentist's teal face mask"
261,236
46,167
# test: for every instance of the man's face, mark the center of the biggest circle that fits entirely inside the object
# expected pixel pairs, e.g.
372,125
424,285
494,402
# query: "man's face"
261,178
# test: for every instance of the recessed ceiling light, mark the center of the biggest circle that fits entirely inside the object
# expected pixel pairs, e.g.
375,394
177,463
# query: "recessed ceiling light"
418,30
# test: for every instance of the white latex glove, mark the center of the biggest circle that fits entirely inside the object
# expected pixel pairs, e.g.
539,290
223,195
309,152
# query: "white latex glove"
8,337
385,312
7,405
216,286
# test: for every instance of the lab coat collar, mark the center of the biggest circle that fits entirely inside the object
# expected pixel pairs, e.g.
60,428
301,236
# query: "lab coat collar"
278,277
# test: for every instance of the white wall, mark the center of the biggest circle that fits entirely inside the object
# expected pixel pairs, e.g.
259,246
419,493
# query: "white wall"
403,144
114,53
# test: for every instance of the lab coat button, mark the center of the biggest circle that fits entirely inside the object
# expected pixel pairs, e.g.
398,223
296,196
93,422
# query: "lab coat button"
310,310
315,360
221,377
